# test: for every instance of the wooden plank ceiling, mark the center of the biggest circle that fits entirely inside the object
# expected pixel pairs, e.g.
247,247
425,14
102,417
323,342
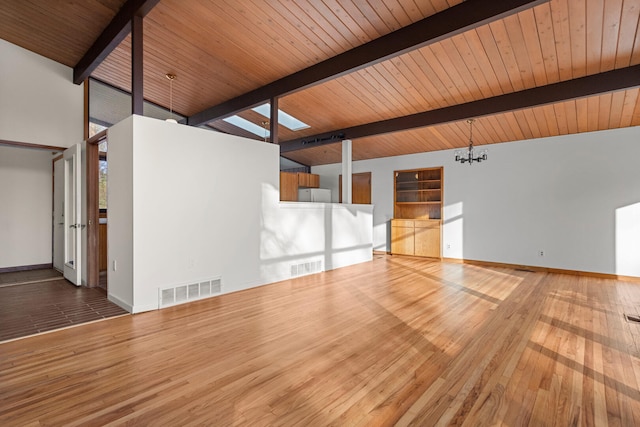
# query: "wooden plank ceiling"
222,49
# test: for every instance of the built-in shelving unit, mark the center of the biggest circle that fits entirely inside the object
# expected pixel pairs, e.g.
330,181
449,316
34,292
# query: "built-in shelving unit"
416,227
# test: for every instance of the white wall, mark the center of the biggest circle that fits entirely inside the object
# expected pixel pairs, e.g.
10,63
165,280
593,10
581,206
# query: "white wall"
39,104
25,207
181,211
575,197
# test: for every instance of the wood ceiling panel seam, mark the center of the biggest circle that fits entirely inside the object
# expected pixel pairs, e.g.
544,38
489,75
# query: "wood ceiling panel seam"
376,89
541,121
401,86
421,67
358,80
635,120
321,22
561,30
551,119
604,113
473,86
315,33
332,21
481,58
572,115
410,70
363,104
582,115
470,59
372,16
395,90
560,114
498,66
501,127
398,12
629,27
612,20
593,113
533,45
635,55
514,126
485,131
412,10
394,69
544,25
577,35
353,18
629,106
387,17
532,122
449,74
523,123
449,92
516,38
615,113
507,56
594,36
282,43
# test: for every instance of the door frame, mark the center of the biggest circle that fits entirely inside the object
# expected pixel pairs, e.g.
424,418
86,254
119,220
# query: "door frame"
93,208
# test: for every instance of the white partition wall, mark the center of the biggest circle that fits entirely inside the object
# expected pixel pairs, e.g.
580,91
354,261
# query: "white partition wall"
190,206
574,198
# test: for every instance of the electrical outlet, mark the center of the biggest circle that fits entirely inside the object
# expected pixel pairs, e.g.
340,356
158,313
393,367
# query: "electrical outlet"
448,245
540,253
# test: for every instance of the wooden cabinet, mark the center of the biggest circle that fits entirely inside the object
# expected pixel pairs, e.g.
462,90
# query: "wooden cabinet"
416,227
418,194
291,181
288,187
402,237
308,180
427,238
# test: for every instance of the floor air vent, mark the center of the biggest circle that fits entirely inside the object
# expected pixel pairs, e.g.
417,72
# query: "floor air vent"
306,268
191,292
632,318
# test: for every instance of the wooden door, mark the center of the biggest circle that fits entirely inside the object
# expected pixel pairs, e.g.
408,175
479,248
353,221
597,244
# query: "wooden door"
360,188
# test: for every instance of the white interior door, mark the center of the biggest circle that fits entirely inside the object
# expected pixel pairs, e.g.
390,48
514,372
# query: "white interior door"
58,214
72,215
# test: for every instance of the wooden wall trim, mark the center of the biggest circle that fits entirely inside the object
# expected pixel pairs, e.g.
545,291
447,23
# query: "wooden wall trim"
544,269
93,214
28,145
26,268
98,137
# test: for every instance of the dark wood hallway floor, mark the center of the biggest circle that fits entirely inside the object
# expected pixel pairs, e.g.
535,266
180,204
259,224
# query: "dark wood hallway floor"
33,302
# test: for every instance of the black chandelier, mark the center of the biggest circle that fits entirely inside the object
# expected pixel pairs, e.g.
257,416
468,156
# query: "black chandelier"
471,154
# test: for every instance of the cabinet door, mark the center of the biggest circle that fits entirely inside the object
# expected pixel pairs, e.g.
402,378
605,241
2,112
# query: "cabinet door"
402,241
427,238
288,187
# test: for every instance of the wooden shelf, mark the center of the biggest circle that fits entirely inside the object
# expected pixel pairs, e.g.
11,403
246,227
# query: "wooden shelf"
416,227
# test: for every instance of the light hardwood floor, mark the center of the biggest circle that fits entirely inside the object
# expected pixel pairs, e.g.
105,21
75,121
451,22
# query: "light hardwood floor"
401,341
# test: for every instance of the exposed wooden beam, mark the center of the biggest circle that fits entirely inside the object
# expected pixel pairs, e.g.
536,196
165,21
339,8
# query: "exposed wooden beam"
610,81
273,120
137,80
111,37
448,23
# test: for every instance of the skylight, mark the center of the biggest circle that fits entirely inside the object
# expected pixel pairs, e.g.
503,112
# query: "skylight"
247,125
286,120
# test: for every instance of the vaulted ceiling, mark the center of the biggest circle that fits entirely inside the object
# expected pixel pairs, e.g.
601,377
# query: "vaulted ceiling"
220,50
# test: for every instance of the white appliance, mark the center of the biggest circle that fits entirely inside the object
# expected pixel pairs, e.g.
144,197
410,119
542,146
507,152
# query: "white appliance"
322,195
